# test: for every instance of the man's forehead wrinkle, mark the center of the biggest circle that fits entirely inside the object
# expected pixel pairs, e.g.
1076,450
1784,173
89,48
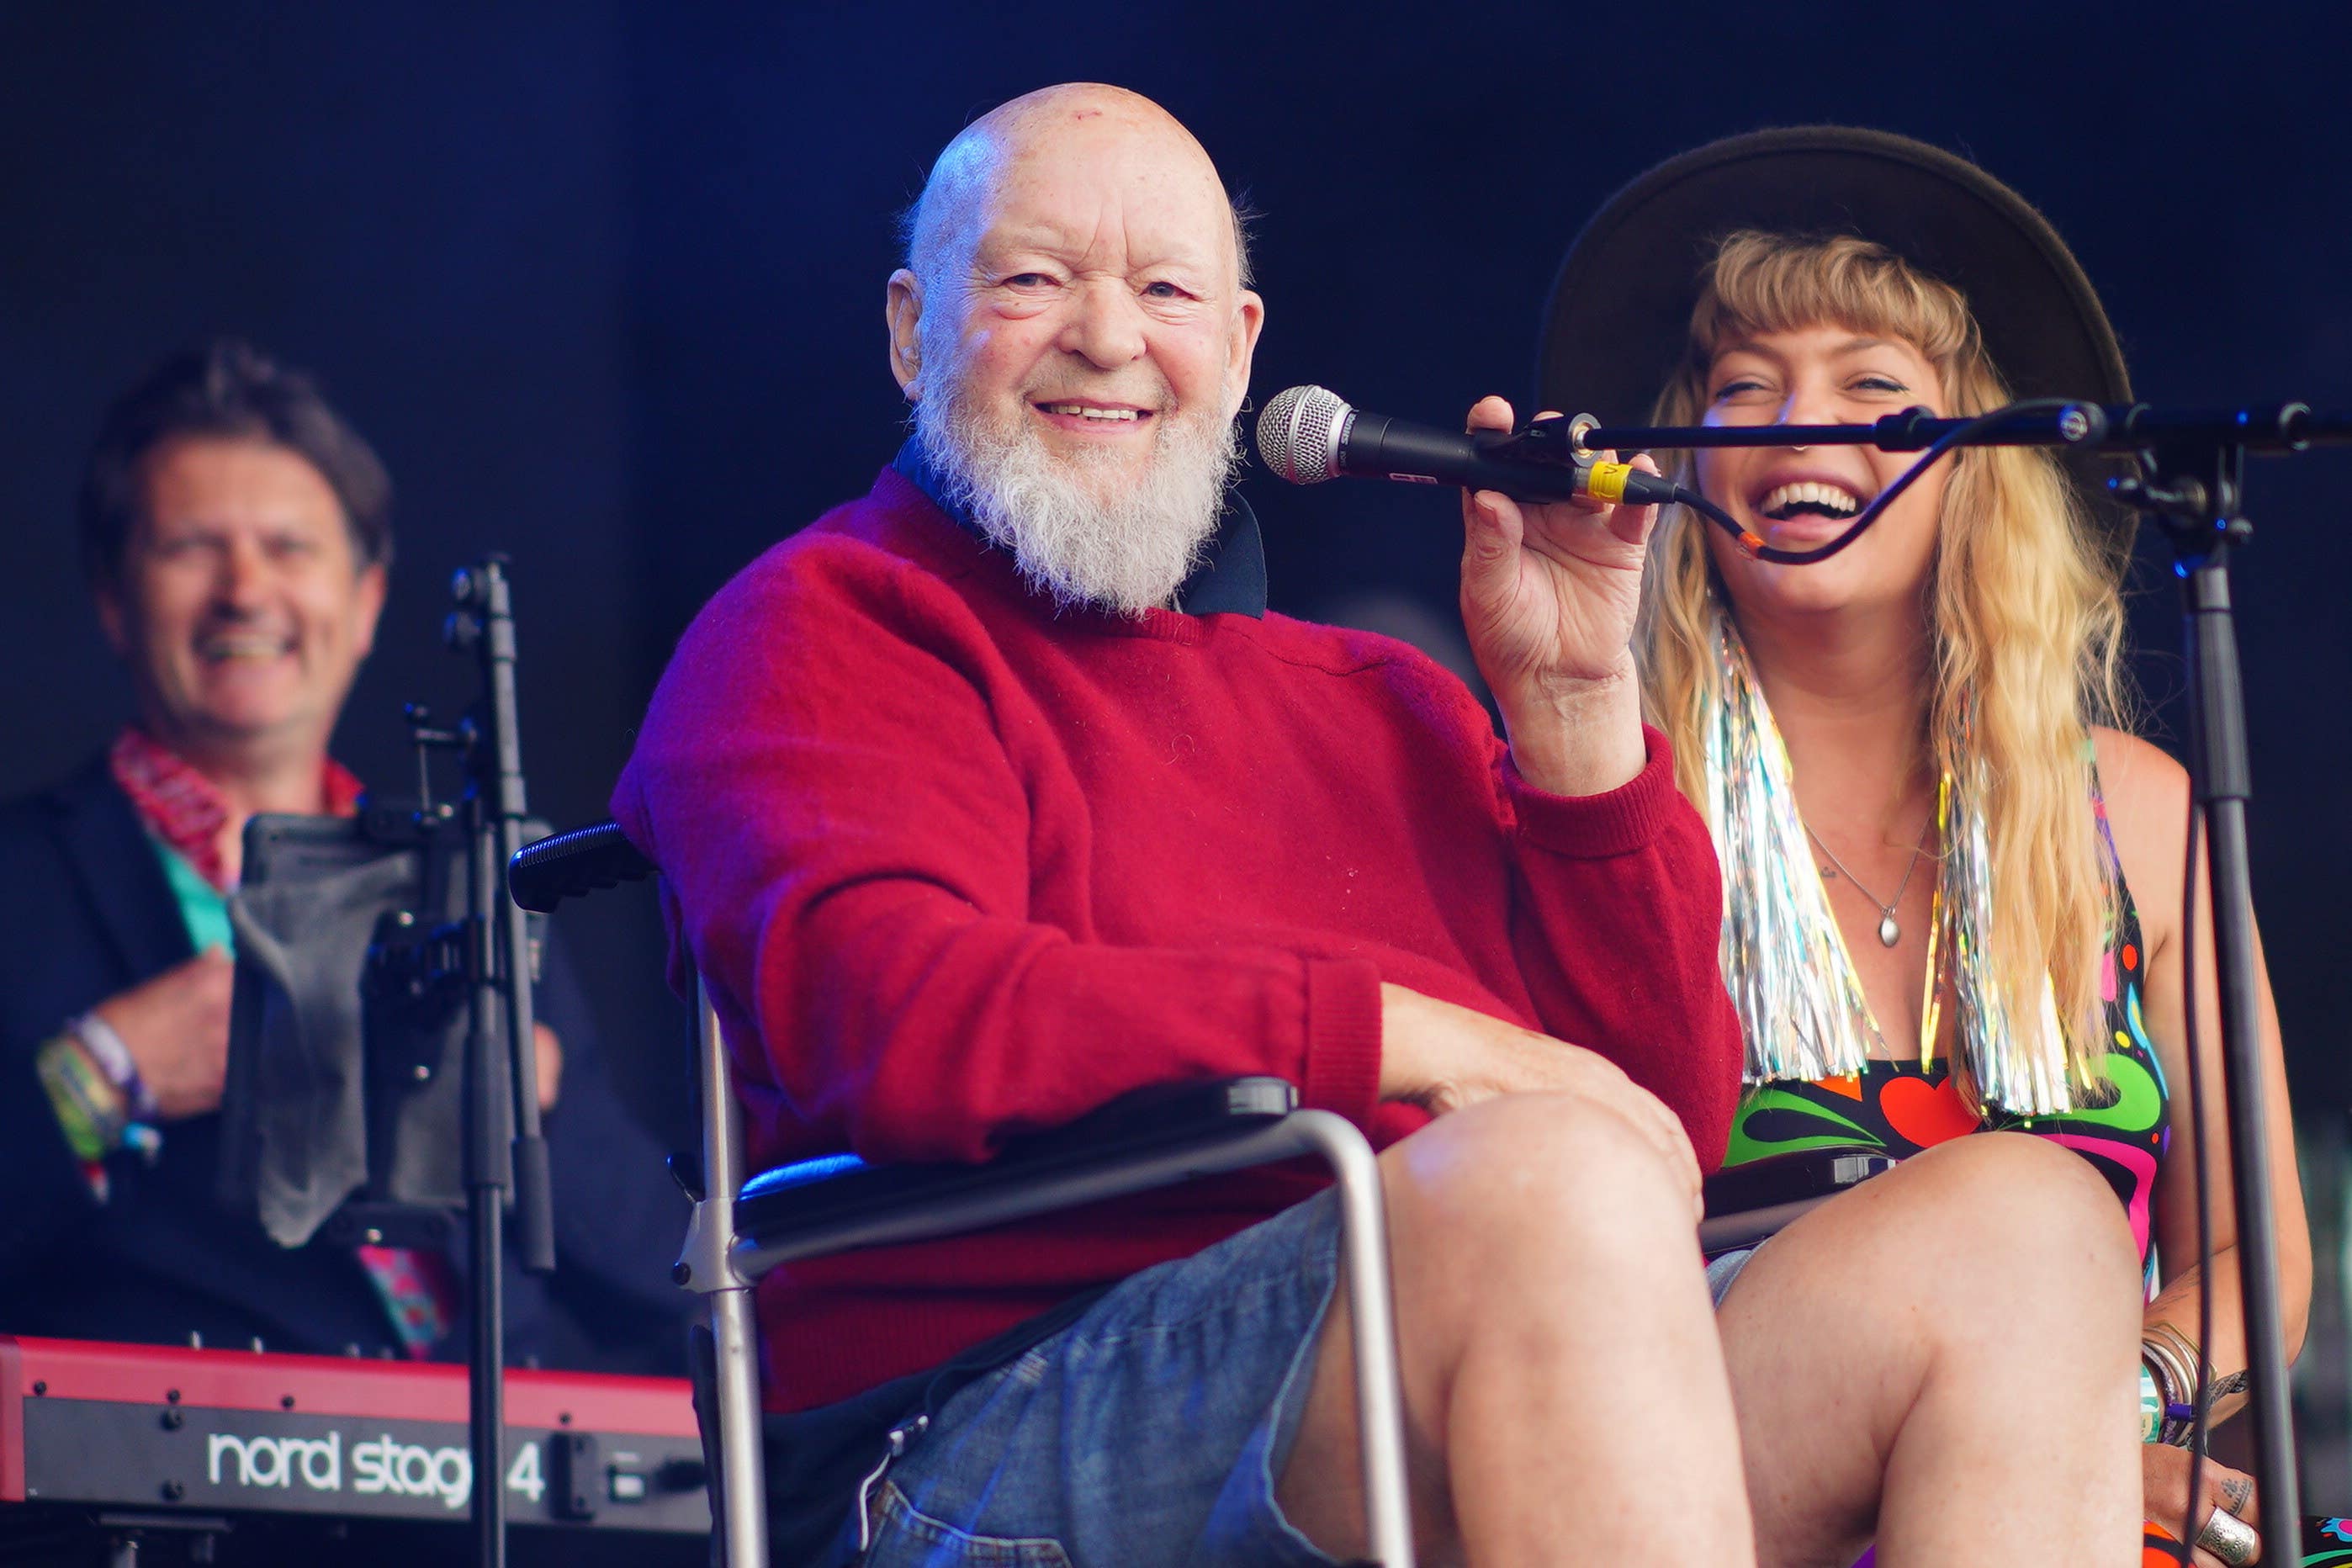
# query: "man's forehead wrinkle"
1155,210
1091,231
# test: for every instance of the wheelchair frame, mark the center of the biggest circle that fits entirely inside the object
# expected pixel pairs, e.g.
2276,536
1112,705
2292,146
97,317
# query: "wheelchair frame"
838,1204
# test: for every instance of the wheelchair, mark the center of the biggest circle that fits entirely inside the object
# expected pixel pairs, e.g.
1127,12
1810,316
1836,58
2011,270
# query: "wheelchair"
744,1224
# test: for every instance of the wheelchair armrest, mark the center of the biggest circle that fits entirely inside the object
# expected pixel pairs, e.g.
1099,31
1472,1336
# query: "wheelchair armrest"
562,865
1746,1204
1153,1137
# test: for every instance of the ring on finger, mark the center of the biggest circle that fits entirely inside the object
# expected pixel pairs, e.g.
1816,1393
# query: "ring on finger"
2230,1538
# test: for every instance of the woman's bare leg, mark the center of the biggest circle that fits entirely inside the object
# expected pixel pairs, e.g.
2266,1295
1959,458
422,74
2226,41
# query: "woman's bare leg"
1944,1359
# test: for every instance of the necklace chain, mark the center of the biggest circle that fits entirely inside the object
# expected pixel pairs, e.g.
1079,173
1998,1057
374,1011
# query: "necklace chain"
1890,931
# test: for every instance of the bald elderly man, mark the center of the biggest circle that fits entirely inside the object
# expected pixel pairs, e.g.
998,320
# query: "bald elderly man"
998,792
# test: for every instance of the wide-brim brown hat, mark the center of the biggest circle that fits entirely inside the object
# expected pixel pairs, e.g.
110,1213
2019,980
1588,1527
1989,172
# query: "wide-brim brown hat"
1617,326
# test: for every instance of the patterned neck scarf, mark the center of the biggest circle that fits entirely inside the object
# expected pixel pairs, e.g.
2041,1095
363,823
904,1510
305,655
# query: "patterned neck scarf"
1802,1011
186,809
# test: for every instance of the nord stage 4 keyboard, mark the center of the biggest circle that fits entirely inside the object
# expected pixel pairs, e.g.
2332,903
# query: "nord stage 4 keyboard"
160,1434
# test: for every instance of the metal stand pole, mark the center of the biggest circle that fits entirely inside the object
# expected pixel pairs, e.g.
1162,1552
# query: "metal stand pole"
504,1150
484,624
487,1179
2221,781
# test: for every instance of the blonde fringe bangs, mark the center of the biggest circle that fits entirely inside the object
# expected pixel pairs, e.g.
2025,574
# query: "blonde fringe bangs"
2024,607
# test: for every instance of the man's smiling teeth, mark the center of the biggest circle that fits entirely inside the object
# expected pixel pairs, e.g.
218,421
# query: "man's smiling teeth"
1832,498
221,649
1088,411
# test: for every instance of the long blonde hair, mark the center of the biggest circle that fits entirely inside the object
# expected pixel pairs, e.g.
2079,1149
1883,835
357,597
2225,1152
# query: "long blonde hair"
2024,612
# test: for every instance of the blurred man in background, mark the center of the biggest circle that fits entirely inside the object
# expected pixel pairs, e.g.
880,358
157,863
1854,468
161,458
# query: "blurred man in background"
235,535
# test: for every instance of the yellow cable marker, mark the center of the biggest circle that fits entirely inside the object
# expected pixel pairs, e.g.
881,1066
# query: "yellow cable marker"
1606,481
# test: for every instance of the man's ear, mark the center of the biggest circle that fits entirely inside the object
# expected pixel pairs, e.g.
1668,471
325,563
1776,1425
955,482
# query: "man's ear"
902,310
369,608
1249,313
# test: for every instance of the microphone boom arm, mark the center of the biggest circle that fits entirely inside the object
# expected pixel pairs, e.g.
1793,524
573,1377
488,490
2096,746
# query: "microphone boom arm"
2048,422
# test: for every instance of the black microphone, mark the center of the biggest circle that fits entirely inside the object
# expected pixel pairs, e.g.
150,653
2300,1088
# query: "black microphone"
1307,435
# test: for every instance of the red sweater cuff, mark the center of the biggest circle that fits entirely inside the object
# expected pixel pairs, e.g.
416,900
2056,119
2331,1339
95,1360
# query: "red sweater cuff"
1343,1039
1591,827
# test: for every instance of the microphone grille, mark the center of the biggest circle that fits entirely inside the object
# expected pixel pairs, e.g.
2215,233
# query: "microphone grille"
1299,434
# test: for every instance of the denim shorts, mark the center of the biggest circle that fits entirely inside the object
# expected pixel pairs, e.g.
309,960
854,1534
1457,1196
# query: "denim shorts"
1148,1432
1723,1268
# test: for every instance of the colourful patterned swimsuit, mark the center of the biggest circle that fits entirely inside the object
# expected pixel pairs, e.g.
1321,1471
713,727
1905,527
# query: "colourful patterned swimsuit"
1900,1108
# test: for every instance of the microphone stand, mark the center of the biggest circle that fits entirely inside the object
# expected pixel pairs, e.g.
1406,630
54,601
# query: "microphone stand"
2188,484
503,1148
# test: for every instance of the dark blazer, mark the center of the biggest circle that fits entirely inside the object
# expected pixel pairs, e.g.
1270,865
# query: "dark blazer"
86,913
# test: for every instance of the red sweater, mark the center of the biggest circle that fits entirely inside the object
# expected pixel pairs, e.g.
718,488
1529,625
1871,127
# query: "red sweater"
959,867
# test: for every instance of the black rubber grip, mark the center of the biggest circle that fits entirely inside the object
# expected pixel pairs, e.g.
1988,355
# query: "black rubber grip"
542,875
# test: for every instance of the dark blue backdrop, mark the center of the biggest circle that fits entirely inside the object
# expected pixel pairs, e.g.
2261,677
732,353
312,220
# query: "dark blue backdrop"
604,283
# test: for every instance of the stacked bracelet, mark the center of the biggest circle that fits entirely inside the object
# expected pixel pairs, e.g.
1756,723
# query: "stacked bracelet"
114,1058
102,1104
2172,1365
2169,1372
91,1109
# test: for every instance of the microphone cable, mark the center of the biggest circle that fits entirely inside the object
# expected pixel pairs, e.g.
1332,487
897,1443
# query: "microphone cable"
1959,435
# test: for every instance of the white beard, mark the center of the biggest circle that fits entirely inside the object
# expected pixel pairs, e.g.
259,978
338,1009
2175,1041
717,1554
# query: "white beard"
1127,549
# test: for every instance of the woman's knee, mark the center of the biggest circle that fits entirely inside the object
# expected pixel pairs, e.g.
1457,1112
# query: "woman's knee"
1998,1244
2018,1174
2010,1212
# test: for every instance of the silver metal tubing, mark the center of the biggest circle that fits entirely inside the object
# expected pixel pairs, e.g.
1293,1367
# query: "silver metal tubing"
1363,1237
1047,1193
1379,1396
742,1472
743,1480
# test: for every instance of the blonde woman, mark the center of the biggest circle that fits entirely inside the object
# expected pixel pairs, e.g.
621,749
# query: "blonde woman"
1953,879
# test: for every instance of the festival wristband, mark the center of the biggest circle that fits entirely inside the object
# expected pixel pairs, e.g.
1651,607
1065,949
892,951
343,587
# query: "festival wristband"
91,1109
2151,1406
115,1059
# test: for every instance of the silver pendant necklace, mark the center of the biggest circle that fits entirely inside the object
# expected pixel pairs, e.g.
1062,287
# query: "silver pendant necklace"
1890,931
